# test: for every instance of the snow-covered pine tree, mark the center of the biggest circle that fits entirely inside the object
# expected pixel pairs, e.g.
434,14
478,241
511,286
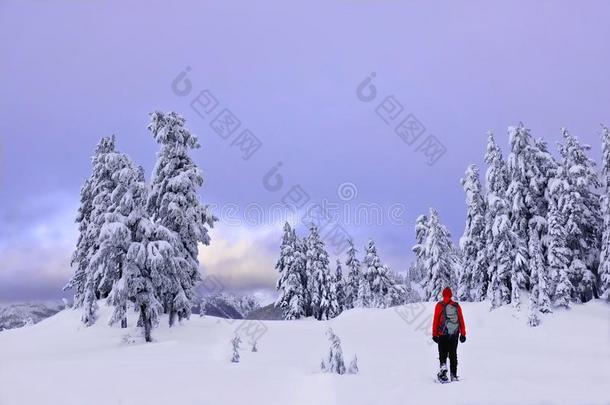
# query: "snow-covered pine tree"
364,299
396,293
334,363
417,272
84,244
289,285
372,270
174,203
498,235
473,281
148,260
439,259
334,308
115,237
558,254
301,264
538,298
529,169
128,242
543,170
604,262
318,275
354,275
94,202
338,291
90,307
379,278
410,294
582,214
533,318
104,188
539,280
520,198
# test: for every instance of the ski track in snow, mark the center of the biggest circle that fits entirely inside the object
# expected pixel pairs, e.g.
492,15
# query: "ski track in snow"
59,361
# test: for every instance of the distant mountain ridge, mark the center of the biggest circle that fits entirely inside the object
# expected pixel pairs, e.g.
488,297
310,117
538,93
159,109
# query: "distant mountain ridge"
267,313
27,313
225,305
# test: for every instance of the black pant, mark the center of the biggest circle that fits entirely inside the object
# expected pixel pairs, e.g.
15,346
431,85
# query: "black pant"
447,346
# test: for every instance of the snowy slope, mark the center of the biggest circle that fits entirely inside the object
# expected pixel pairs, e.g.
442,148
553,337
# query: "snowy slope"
58,361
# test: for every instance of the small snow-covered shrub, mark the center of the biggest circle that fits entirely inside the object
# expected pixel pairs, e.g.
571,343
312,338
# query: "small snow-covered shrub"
333,363
353,366
128,340
235,342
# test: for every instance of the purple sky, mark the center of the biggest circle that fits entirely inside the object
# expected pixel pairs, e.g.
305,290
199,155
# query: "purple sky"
75,71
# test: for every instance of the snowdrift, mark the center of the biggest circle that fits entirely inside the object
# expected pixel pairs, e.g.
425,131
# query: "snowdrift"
59,361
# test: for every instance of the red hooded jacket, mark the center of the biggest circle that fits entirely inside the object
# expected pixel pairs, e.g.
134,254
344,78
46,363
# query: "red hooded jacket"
437,322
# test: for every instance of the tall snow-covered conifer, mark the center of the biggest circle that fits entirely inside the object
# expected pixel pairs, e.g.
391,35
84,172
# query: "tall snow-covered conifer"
536,265
143,267
473,281
340,286
378,277
174,203
336,296
354,275
364,299
499,239
581,212
438,258
88,232
558,254
115,237
519,196
417,271
98,190
539,300
291,298
318,273
604,262
372,272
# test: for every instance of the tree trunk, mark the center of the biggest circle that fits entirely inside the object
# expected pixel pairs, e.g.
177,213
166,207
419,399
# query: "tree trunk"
147,324
172,314
124,320
172,318
166,303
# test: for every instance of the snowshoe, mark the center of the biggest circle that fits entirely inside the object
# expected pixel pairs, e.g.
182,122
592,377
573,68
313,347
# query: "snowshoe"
442,375
454,377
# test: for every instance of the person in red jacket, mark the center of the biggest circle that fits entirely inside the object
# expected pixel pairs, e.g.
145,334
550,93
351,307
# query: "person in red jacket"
447,326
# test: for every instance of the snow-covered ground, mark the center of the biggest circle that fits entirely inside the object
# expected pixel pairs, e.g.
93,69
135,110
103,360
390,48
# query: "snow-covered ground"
564,361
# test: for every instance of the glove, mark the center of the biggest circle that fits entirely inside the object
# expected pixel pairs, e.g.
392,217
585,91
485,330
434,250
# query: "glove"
462,339
435,338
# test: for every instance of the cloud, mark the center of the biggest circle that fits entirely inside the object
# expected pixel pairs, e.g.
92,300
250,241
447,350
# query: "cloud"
35,254
35,249
242,258
34,272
